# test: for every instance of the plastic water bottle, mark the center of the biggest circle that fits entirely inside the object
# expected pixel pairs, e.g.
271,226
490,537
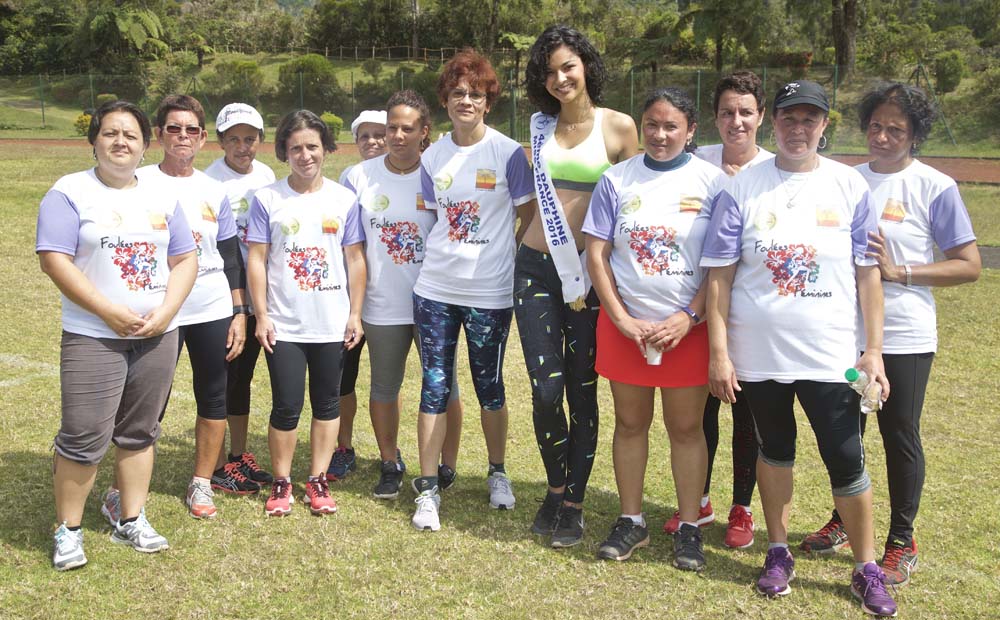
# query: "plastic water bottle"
870,391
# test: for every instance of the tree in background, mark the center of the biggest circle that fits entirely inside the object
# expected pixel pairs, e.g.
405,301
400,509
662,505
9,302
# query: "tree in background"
844,20
310,81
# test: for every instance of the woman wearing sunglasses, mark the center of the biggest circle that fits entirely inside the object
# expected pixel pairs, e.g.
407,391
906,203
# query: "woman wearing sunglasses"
213,319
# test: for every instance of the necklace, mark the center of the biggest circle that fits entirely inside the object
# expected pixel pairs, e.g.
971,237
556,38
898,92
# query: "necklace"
784,182
571,127
399,170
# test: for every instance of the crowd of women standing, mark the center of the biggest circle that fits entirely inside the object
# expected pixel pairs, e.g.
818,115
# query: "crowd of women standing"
724,273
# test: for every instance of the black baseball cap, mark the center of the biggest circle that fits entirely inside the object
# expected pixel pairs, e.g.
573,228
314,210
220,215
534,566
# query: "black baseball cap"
801,92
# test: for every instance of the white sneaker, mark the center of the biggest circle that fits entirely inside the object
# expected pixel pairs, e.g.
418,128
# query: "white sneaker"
501,491
111,506
68,549
139,535
426,516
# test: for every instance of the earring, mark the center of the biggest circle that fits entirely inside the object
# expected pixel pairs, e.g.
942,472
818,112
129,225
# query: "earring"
771,140
822,142
95,154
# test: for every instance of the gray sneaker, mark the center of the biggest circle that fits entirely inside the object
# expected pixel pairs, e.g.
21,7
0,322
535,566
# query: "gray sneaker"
426,516
111,506
139,535
68,549
501,491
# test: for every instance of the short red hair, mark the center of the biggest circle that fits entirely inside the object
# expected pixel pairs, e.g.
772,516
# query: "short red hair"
473,67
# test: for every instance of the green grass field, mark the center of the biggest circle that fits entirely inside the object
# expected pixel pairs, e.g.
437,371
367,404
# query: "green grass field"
366,561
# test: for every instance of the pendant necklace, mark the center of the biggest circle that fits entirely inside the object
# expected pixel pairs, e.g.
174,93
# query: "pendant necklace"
784,181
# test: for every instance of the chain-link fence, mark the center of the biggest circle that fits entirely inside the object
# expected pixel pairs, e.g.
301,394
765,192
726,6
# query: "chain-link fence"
55,101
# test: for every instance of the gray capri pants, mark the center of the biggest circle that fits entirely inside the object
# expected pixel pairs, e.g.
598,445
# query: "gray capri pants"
113,391
388,348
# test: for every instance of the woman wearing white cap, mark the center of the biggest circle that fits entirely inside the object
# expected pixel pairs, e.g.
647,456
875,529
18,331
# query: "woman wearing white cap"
368,130
240,130
789,273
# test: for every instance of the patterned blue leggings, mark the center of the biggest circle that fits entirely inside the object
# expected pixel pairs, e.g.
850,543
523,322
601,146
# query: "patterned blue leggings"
486,332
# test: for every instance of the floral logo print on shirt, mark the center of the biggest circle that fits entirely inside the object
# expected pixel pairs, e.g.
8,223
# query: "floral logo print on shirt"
655,248
309,266
137,262
793,267
402,241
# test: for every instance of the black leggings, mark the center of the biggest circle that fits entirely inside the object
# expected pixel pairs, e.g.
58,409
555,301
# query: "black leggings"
899,423
744,448
206,345
352,361
287,367
241,372
834,412
559,347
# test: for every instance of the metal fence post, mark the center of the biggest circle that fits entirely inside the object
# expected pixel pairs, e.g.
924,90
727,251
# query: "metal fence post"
302,95
353,100
41,97
836,79
631,92
90,78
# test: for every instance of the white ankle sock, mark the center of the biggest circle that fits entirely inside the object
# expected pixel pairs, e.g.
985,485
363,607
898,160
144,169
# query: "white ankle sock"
704,501
637,519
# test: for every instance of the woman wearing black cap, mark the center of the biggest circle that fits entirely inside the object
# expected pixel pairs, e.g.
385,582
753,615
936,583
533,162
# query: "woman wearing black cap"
787,251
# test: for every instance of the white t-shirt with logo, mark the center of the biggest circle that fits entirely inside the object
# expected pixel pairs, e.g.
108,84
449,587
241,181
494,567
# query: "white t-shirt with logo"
307,294
206,208
656,222
396,225
794,307
917,208
119,238
475,190
713,155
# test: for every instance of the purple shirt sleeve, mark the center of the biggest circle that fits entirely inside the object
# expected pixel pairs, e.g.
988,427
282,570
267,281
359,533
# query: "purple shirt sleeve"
520,181
258,223
354,232
863,223
724,237
181,241
949,219
58,224
227,222
427,189
603,210
346,182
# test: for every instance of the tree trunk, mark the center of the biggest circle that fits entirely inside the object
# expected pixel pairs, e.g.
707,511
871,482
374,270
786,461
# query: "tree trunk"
491,31
720,40
415,42
845,32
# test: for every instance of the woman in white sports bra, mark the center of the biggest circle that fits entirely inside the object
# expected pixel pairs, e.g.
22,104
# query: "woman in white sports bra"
573,142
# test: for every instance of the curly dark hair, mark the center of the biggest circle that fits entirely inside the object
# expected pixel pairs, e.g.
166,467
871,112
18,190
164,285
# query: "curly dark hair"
413,99
743,83
110,107
294,121
680,100
538,66
475,68
912,100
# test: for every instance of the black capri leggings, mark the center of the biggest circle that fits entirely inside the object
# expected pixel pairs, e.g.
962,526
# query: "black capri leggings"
834,412
287,367
352,361
206,345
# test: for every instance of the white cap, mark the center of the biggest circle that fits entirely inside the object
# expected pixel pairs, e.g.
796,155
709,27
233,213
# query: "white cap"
368,116
238,114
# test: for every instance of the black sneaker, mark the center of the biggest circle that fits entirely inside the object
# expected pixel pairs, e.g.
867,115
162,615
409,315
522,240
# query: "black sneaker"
250,468
446,476
399,461
547,515
569,527
230,479
688,551
389,482
625,537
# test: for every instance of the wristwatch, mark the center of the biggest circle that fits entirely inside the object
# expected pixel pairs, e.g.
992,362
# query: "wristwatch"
241,310
691,313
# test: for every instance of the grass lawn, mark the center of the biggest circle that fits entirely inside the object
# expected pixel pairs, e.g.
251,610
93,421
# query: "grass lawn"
983,202
366,561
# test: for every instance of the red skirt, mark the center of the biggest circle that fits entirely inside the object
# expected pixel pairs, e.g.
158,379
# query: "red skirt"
618,359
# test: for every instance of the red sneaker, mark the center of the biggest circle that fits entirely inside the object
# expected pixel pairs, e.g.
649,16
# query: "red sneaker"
898,561
281,500
739,532
828,539
705,517
317,496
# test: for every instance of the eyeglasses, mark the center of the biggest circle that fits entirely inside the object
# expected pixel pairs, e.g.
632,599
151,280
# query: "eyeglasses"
474,96
192,130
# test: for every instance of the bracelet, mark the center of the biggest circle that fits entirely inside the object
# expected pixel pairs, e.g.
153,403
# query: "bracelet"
241,310
691,313
909,275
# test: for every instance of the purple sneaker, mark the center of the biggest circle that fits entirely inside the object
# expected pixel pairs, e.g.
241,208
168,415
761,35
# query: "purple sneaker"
778,571
868,586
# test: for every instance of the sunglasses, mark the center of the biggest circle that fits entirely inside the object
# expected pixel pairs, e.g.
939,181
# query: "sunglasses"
192,130
459,94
